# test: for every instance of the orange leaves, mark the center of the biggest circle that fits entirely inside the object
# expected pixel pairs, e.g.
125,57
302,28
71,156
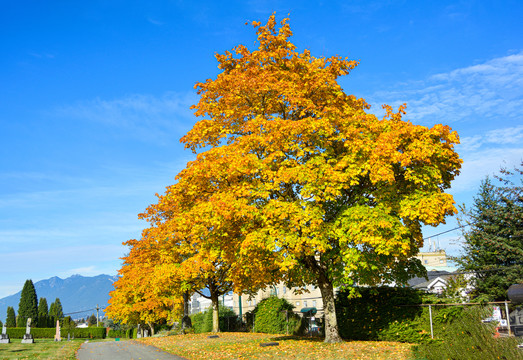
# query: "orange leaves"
247,346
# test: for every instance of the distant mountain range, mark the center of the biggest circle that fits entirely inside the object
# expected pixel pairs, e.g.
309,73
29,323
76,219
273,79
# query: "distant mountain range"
78,294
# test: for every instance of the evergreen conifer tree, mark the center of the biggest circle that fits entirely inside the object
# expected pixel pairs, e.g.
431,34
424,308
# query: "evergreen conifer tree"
493,248
51,318
43,313
28,306
56,310
11,317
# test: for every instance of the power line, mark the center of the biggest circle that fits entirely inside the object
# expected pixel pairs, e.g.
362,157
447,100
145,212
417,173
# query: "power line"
83,311
444,232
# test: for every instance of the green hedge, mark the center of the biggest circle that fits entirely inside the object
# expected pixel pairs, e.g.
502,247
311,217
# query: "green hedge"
49,333
117,334
380,314
38,333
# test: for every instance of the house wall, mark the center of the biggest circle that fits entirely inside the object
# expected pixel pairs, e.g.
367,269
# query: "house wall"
434,258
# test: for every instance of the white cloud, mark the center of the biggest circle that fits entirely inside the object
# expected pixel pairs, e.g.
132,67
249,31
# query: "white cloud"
511,135
479,164
489,91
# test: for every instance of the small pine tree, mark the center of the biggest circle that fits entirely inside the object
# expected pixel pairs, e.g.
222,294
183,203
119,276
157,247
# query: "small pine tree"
11,317
56,310
51,318
92,320
28,306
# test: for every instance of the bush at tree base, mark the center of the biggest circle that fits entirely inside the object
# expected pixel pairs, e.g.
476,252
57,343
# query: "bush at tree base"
463,336
269,317
202,322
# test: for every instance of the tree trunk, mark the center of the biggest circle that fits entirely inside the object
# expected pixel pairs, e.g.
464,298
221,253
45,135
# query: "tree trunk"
215,313
151,326
331,323
186,320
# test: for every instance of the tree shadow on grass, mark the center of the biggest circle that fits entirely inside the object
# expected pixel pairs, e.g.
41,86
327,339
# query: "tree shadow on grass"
299,338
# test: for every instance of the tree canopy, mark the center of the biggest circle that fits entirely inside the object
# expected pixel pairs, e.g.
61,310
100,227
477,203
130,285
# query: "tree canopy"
335,193
296,181
493,244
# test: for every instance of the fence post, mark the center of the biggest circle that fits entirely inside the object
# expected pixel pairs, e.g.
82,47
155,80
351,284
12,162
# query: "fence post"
508,317
287,314
430,316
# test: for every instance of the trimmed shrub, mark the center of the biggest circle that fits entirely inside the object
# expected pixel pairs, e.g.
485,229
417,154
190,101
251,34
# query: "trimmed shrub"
197,323
269,317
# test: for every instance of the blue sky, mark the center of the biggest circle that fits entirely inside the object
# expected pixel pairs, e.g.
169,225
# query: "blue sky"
95,95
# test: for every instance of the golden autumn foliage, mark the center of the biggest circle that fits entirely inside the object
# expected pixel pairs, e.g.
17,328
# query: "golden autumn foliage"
141,295
296,181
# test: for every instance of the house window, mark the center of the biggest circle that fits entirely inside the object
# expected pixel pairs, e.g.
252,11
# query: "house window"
314,303
254,302
297,303
305,303
426,261
441,261
284,290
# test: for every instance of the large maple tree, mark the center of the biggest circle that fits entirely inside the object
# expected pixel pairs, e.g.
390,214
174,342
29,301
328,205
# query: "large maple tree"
336,195
142,295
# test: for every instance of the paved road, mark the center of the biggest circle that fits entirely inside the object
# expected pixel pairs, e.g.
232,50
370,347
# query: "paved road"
122,350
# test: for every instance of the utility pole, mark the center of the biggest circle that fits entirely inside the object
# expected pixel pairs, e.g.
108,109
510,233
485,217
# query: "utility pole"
97,316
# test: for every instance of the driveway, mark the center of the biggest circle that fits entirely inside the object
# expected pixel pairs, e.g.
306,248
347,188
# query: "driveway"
122,350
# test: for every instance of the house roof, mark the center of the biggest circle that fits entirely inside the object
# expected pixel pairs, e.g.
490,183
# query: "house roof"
431,275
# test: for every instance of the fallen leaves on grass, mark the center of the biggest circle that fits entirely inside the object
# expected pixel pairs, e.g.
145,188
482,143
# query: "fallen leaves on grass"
247,346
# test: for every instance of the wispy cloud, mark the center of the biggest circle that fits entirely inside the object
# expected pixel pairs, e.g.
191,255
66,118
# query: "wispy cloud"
63,261
144,117
41,55
482,100
489,90
155,21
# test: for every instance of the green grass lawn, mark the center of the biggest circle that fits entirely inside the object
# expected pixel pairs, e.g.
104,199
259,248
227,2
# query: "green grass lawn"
41,349
247,346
